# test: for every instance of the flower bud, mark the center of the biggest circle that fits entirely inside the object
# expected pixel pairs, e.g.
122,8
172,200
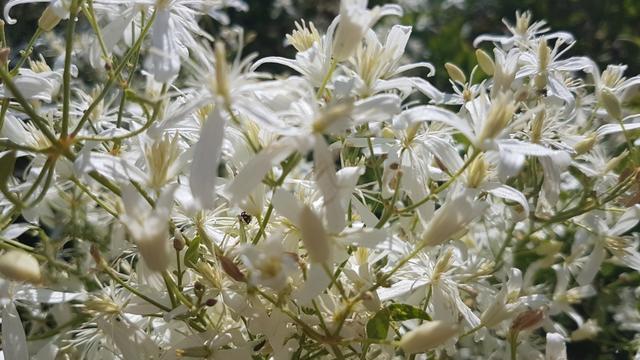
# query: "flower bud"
585,145
314,236
528,320
427,336
222,72
455,73
616,161
544,55
586,331
230,268
537,126
4,55
388,133
611,103
18,265
49,19
154,247
485,62
450,219
500,113
477,172
332,114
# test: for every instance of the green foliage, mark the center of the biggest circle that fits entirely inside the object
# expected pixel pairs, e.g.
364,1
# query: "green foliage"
378,325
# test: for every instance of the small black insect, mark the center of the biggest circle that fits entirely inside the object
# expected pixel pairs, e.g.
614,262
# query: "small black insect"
245,217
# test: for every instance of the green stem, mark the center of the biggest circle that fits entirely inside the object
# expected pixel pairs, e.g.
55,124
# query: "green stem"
26,107
133,290
27,51
66,75
443,186
112,79
327,77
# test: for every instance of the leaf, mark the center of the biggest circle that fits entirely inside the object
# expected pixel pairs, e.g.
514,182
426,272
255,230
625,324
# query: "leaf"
402,312
378,325
192,254
7,162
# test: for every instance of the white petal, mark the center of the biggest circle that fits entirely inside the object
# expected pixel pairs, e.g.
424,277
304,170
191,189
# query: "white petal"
524,148
14,340
255,170
317,281
401,288
615,128
114,168
164,51
287,205
556,348
364,237
509,193
325,175
591,268
368,218
206,156
627,221
433,113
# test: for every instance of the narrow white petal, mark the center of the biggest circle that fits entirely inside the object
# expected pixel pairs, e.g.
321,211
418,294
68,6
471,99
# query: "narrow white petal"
287,205
206,156
14,340
325,175
627,221
255,170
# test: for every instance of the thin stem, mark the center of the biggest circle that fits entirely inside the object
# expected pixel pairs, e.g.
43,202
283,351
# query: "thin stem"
66,75
443,186
327,77
112,274
27,51
26,107
112,79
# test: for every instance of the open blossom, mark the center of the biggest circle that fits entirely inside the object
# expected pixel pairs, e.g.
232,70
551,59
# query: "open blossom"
164,195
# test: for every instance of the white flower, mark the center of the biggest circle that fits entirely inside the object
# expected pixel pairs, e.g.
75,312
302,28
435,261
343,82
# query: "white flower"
148,226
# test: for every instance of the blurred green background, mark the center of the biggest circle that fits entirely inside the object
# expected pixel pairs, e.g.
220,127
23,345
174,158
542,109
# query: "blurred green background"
607,31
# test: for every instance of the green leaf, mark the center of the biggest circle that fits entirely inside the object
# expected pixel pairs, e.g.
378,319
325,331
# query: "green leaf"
402,312
193,253
7,163
378,325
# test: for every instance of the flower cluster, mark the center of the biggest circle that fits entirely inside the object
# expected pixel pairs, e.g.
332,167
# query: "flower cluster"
183,202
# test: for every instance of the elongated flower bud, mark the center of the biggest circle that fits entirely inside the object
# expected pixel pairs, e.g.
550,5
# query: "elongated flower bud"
455,73
585,145
314,236
427,336
528,320
18,265
537,126
49,19
222,72
500,113
477,172
485,62
450,219
611,104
